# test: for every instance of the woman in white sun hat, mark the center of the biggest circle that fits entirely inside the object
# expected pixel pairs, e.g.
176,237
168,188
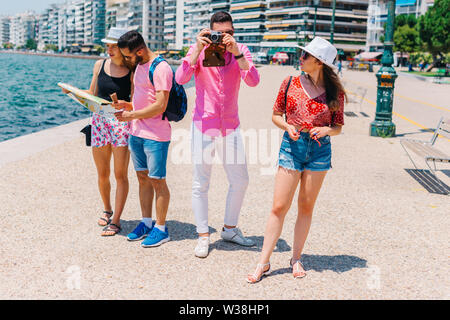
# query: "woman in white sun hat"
109,137
309,108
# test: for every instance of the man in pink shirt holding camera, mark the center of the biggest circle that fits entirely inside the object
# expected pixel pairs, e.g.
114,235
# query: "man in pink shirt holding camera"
216,126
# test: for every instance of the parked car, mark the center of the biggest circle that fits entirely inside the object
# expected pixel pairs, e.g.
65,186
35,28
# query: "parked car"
260,57
280,58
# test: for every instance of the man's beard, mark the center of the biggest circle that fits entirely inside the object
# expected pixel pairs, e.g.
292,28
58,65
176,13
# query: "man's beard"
130,65
133,66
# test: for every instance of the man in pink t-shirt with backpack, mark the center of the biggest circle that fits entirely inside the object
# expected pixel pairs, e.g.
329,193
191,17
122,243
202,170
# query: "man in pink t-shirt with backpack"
150,135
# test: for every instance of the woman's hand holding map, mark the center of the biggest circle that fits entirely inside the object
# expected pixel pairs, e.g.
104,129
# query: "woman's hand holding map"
122,105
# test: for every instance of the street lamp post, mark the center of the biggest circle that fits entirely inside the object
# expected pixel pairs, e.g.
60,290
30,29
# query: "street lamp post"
383,125
316,3
332,22
305,27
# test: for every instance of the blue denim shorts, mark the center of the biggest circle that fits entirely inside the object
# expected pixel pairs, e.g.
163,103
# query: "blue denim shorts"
149,155
305,153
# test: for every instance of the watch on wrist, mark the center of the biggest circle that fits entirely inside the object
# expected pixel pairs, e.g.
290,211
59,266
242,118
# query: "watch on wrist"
239,56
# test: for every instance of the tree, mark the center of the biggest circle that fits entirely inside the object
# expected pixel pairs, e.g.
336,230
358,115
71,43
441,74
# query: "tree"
184,51
400,21
50,47
31,44
420,57
406,39
434,27
99,49
405,19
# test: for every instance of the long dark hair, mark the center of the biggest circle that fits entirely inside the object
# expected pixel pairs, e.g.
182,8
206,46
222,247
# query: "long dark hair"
333,87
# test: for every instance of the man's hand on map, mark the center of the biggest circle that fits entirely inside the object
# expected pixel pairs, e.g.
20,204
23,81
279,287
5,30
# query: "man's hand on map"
122,105
124,116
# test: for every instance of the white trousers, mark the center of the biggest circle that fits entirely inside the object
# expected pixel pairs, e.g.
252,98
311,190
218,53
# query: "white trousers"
231,153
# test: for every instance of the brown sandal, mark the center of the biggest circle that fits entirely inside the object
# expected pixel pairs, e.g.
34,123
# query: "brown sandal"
112,227
106,220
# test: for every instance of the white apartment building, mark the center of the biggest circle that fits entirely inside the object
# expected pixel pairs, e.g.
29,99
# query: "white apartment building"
87,18
174,23
48,27
4,30
197,15
94,21
70,27
147,17
249,18
117,14
22,28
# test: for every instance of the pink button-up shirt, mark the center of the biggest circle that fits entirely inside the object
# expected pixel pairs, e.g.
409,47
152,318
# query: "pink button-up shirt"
217,88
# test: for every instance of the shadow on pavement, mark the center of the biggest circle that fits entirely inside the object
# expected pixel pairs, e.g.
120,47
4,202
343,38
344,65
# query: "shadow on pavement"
446,172
415,132
177,230
282,245
320,263
127,226
429,181
184,231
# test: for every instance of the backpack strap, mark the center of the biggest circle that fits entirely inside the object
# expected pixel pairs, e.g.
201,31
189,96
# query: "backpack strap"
151,71
155,63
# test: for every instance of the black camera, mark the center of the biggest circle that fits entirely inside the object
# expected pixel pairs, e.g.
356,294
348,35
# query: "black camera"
215,37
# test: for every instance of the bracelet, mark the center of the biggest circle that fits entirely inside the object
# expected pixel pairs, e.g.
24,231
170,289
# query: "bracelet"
239,56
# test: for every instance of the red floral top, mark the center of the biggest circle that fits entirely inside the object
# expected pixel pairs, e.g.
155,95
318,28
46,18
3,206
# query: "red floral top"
305,112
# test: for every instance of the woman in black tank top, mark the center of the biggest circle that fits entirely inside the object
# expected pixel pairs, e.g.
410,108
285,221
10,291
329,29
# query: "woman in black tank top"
109,136
108,85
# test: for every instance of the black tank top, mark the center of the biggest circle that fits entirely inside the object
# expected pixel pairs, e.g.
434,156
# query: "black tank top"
107,85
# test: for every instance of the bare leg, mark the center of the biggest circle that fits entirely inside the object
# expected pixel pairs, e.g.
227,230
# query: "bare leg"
310,185
121,161
162,200
286,182
146,193
121,157
102,160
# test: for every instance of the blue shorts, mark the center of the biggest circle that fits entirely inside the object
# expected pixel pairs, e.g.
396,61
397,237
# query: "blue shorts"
149,155
305,153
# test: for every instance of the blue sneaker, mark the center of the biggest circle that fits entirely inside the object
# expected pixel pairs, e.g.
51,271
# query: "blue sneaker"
156,238
140,232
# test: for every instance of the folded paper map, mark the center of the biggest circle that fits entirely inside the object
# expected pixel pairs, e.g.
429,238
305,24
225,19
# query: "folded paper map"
94,104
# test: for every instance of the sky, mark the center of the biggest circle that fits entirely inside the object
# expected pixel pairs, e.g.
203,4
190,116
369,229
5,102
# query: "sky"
10,7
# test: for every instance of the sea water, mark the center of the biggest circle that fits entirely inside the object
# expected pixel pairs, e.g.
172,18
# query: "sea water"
30,99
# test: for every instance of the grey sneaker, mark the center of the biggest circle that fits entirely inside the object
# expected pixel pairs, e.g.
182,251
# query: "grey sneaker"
235,235
202,248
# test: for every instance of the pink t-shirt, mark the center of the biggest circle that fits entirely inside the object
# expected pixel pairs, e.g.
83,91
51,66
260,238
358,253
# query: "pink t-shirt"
144,95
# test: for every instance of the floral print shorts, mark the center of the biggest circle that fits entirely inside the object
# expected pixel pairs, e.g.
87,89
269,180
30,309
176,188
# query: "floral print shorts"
109,131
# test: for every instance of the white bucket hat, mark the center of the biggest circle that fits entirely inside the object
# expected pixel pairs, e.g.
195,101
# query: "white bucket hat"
114,34
322,50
